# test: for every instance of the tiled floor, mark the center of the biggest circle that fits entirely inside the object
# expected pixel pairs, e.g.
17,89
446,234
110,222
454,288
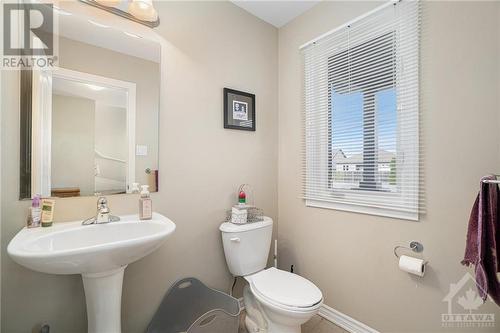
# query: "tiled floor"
316,325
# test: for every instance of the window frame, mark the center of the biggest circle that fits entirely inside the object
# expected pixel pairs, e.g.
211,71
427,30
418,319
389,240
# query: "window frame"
371,204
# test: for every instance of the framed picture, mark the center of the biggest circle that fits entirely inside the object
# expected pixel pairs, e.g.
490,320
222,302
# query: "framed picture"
239,110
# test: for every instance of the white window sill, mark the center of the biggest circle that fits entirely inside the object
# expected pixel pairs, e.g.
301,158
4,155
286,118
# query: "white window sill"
363,209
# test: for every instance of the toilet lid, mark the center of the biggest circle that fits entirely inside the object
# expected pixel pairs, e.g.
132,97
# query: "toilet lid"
286,288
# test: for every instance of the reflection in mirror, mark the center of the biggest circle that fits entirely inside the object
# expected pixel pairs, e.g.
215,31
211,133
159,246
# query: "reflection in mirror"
93,121
90,115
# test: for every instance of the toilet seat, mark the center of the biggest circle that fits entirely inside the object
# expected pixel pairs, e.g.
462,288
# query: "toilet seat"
285,290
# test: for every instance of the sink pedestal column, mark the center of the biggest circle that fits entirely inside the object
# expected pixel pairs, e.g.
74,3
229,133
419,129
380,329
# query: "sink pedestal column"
103,292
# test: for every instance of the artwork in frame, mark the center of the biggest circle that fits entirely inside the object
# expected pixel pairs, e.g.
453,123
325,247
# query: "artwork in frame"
239,110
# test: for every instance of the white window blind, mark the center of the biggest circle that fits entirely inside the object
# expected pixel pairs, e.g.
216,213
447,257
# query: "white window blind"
361,114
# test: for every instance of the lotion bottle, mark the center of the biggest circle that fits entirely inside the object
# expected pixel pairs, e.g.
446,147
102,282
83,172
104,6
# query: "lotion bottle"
145,204
47,212
35,213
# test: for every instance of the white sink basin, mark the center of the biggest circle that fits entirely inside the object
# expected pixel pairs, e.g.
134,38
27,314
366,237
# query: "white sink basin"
73,248
99,252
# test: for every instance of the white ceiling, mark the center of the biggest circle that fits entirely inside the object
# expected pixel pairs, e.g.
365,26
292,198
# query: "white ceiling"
95,31
81,29
110,96
277,13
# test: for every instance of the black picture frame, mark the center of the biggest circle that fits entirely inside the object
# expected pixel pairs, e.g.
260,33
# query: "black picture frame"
242,105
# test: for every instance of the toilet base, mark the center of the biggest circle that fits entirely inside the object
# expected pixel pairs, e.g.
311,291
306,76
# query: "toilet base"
254,320
277,328
262,319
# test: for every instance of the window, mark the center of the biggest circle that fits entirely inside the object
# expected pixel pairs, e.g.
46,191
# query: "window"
361,115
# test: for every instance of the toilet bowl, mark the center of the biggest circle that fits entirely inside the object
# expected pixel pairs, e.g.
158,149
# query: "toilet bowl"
276,301
285,300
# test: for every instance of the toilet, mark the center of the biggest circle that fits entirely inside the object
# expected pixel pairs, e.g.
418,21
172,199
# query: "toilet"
276,301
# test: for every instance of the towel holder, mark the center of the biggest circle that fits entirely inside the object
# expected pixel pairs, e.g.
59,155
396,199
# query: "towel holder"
414,246
491,181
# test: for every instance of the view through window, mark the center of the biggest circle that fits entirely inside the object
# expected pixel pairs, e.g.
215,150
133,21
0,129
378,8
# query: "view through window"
363,116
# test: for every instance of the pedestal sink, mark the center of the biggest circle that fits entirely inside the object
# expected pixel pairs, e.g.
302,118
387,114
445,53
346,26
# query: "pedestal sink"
99,252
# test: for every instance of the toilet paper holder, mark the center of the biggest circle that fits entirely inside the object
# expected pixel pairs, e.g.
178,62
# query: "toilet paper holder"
414,246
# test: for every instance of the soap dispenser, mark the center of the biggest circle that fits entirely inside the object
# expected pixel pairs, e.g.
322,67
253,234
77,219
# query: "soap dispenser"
145,204
135,188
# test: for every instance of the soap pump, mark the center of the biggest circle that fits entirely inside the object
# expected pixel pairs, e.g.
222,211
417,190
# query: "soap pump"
145,204
135,188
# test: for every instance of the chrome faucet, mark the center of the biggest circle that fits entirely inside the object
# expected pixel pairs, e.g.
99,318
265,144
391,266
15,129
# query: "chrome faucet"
103,214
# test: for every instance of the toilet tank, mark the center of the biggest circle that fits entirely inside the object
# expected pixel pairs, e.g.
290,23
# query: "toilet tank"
246,246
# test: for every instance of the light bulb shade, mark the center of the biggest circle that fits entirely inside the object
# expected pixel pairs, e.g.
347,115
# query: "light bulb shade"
109,3
143,10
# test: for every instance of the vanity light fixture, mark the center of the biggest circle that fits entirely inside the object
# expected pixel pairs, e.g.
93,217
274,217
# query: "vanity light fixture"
143,10
140,11
109,3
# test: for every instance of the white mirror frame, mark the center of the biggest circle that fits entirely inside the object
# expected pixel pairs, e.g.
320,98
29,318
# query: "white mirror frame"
141,31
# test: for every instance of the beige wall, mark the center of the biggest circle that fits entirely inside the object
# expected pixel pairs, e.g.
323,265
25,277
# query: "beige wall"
145,74
72,155
210,45
349,256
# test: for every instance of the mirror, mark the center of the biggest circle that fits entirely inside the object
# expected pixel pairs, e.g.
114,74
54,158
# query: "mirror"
90,126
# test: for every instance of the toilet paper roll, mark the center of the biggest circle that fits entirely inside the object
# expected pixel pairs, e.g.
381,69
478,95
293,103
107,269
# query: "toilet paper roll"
412,265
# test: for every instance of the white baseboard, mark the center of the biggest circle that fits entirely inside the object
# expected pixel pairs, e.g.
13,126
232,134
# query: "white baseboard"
338,318
344,321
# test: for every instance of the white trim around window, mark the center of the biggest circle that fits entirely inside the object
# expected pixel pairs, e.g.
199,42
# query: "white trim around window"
361,110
